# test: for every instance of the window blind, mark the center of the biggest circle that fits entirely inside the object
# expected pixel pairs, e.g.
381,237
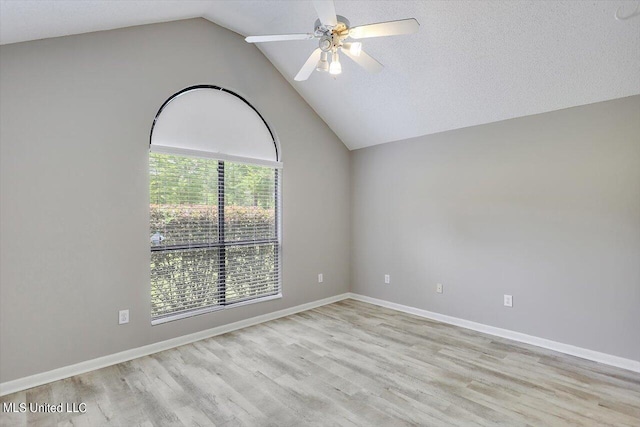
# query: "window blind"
213,232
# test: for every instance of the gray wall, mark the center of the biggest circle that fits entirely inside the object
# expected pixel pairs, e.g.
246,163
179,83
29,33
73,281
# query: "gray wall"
546,208
75,119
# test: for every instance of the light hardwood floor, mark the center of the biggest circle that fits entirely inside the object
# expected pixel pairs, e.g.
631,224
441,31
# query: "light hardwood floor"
351,364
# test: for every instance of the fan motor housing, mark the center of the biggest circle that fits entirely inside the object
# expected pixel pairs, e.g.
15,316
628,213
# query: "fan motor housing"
331,37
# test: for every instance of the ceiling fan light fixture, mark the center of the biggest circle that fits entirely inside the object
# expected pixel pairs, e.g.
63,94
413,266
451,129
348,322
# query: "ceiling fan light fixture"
330,31
335,68
323,64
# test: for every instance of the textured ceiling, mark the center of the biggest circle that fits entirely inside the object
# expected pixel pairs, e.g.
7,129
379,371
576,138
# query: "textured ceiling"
472,62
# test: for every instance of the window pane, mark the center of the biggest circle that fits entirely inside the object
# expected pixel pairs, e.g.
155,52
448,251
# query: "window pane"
184,200
249,197
183,280
252,271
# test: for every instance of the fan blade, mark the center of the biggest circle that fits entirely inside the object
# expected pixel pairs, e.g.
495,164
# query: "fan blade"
364,60
391,28
278,38
308,66
326,12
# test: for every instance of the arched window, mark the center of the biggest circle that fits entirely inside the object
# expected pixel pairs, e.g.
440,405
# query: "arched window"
214,205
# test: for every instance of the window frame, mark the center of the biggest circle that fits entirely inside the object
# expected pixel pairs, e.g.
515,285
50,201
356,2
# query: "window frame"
221,244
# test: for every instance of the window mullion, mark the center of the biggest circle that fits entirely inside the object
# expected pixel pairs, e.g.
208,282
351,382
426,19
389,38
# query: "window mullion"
222,268
276,201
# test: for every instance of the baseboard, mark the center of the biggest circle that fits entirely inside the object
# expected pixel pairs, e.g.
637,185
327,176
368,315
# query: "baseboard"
20,384
596,356
25,383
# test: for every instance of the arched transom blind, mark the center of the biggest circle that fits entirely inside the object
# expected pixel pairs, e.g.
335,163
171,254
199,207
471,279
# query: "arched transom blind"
214,205
213,120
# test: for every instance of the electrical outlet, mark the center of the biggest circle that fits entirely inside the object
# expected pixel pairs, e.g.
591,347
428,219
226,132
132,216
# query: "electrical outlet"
387,279
439,288
123,317
320,278
508,301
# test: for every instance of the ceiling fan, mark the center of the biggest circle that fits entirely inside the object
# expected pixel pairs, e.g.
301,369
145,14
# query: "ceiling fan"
331,31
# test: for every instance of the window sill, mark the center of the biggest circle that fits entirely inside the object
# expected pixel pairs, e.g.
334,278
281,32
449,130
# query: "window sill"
198,312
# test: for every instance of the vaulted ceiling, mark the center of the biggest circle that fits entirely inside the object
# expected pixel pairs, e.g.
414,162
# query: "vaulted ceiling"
471,62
